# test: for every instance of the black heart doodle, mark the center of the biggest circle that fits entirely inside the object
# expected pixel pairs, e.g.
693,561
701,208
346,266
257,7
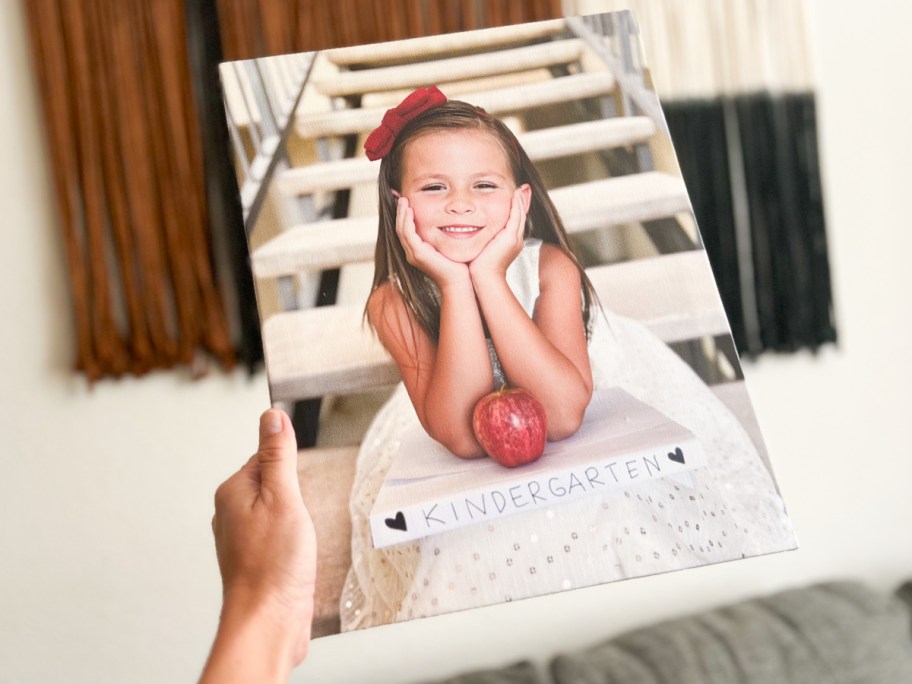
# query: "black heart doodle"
397,523
677,456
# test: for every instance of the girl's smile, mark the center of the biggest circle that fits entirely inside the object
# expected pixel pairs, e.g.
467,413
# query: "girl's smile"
460,231
459,186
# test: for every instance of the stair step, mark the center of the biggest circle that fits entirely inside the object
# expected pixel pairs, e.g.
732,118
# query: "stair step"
499,101
624,199
675,295
547,143
326,350
433,46
439,71
598,204
316,246
588,136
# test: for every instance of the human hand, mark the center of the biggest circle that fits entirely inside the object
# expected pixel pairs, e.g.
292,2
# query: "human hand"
506,245
423,255
266,549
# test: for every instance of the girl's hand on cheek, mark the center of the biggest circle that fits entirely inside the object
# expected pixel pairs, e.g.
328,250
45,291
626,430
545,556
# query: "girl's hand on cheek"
422,255
505,246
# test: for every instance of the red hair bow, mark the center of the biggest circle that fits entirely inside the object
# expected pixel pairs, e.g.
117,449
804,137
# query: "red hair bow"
381,139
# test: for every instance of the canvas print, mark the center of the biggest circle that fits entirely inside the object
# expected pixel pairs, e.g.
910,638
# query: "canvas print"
478,269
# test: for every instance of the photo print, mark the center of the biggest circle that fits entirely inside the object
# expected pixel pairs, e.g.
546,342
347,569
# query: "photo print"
479,274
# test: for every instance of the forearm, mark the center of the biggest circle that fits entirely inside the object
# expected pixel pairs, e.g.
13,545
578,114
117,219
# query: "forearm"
462,372
253,644
531,361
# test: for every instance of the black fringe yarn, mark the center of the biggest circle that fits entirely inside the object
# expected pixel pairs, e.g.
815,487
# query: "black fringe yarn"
790,305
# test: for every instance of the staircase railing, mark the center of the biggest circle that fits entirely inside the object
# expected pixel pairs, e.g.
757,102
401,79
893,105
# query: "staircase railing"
623,56
261,98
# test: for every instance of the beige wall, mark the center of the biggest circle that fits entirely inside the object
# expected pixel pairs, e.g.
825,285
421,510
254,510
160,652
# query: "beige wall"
106,565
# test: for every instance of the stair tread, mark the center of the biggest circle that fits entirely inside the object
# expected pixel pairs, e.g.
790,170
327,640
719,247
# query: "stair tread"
623,199
601,203
547,143
674,295
498,101
342,354
347,83
430,46
316,246
588,136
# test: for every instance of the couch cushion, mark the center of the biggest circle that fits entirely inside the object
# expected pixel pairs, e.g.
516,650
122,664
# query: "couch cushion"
836,632
520,673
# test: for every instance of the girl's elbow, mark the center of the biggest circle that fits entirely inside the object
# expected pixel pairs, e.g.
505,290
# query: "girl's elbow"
564,427
467,450
460,445
566,422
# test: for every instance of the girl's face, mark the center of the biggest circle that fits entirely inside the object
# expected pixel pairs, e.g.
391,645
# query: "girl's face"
460,186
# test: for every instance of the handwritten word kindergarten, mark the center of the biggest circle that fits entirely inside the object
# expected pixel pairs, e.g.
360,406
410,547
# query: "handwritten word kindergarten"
546,489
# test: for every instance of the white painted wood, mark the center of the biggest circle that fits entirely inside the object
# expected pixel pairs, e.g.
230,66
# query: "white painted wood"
453,69
599,204
327,350
316,246
624,199
433,46
355,281
327,176
548,143
675,295
501,100
323,350
588,136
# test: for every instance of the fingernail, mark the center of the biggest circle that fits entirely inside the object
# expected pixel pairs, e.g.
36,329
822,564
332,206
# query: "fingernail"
271,422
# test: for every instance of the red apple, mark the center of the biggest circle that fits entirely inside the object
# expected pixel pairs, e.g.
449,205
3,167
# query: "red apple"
511,426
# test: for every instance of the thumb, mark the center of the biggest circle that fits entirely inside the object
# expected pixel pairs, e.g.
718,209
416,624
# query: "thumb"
278,456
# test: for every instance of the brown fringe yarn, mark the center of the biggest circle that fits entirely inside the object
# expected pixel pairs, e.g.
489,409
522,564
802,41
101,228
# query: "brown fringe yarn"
128,176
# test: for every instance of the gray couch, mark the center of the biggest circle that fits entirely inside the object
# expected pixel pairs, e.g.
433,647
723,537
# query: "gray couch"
840,632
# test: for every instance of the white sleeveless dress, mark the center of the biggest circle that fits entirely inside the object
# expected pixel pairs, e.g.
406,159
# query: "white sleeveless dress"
732,511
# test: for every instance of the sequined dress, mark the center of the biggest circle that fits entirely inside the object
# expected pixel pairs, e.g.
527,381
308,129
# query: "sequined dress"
732,511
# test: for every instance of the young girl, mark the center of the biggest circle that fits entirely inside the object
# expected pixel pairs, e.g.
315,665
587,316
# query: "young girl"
458,199
475,285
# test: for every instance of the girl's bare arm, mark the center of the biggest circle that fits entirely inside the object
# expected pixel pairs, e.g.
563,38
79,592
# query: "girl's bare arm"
444,380
546,354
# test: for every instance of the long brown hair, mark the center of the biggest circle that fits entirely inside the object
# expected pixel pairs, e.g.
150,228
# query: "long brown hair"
542,221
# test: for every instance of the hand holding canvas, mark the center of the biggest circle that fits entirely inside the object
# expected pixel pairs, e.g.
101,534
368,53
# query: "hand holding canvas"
266,549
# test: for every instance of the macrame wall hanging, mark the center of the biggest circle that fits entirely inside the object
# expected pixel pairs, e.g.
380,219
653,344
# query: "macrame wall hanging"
126,158
736,87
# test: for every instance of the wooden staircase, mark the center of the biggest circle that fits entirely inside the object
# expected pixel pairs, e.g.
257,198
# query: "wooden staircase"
516,71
